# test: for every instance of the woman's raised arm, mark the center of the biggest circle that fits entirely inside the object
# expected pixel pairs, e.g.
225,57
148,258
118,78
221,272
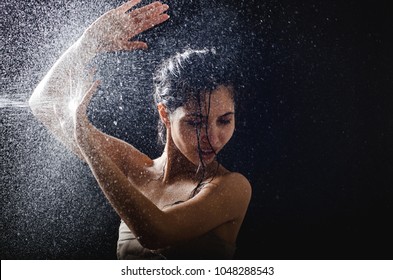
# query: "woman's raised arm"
223,201
56,97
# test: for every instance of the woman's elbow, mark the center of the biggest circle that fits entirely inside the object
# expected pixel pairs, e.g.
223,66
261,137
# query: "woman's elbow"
34,105
38,103
33,102
158,237
35,98
153,241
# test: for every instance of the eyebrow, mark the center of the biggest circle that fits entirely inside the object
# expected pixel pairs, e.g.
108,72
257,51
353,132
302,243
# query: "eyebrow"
227,114
198,115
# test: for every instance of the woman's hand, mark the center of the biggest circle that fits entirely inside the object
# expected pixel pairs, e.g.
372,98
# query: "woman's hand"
114,29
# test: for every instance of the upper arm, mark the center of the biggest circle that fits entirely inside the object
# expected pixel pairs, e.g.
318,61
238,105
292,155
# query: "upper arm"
216,204
128,158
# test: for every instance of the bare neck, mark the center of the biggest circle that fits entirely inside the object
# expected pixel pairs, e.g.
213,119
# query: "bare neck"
177,167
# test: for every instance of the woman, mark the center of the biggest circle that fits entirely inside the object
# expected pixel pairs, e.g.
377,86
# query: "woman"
183,204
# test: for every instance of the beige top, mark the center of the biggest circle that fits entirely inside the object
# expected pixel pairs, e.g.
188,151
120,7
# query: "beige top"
208,247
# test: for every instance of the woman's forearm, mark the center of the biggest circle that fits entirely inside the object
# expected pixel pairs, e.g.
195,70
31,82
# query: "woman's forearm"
143,217
55,97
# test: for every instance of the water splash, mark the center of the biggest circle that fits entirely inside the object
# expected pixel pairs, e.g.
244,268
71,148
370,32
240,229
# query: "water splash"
50,202
8,103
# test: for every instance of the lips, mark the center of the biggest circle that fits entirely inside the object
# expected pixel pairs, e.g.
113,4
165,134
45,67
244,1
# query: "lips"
207,153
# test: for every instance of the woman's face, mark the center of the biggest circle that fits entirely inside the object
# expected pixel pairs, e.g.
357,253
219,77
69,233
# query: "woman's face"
213,120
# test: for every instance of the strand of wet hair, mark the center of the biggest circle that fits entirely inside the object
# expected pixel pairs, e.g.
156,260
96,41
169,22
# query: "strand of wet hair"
201,163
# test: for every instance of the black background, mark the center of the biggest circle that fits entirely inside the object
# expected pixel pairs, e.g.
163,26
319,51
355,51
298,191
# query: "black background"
314,128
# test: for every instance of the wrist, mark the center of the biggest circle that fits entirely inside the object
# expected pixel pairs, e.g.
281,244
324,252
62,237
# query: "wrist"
87,46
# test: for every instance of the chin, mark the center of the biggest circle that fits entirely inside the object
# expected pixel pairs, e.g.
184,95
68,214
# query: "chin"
209,160
206,158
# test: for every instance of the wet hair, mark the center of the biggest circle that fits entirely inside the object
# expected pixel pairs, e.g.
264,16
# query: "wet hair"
192,75
187,76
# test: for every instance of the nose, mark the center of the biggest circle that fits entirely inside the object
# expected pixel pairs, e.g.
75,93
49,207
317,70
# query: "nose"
210,134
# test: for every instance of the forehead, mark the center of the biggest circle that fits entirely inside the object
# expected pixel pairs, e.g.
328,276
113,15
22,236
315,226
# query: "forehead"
217,102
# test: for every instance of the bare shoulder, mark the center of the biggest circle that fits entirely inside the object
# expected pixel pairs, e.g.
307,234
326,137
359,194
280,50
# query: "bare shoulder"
236,182
234,186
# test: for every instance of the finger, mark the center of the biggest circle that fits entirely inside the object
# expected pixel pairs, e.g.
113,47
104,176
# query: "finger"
152,12
128,5
146,8
134,45
87,98
91,71
147,24
144,23
125,45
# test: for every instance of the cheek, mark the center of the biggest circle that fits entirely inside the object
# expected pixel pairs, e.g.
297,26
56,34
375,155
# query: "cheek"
227,134
185,136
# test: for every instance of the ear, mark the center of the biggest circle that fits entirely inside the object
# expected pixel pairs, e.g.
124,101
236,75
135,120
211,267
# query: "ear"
163,112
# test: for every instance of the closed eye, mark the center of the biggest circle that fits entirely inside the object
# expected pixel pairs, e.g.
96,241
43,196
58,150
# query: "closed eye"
224,121
226,118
